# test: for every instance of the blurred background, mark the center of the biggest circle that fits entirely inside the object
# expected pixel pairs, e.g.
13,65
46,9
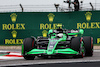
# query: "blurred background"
47,5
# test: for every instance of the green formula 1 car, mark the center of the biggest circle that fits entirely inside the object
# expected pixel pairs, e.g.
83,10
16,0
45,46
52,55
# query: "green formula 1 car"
59,42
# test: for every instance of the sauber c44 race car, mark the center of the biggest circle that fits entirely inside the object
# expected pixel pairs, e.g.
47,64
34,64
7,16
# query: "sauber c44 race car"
59,42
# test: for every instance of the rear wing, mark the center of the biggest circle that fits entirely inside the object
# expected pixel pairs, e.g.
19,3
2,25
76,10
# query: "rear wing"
69,32
75,32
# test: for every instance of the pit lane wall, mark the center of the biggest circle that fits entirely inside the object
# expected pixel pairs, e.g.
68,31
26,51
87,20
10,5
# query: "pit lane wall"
14,27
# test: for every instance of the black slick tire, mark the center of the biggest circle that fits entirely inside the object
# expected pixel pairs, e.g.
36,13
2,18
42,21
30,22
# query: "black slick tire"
28,44
75,43
88,43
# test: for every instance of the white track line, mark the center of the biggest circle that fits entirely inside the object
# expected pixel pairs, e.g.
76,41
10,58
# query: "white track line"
96,50
9,58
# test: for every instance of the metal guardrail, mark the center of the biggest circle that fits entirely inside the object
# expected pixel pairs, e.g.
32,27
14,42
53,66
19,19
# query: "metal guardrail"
45,8
27,8
83,7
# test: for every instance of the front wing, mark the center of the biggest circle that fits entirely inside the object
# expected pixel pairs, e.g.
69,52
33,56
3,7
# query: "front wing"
68,51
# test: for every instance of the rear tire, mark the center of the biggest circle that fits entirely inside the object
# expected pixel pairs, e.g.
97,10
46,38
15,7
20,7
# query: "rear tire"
88,43
28,44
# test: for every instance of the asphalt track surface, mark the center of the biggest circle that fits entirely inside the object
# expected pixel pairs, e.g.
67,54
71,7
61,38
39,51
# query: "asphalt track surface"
93,64
69,61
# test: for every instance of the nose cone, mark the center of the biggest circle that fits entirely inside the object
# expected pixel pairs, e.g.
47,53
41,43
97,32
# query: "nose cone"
49,52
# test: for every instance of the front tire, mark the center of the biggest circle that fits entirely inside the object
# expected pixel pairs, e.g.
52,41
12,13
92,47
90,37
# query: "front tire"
75,43
77,46
28,44
29,57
